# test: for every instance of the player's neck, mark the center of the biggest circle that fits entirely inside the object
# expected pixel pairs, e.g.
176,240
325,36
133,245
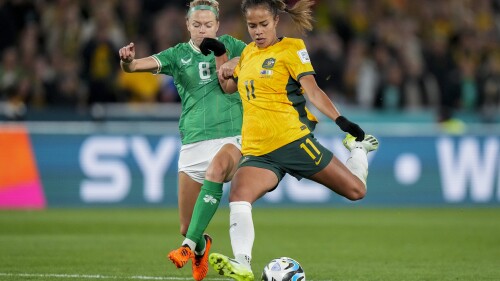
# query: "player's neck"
275,41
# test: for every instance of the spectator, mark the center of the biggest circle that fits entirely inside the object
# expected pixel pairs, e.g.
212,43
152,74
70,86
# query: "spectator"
328,55
142,86
99,69
351,51
489,85
9,27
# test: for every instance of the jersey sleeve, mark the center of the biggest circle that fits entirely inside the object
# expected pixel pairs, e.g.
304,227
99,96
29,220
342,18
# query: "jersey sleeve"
164,60
299,63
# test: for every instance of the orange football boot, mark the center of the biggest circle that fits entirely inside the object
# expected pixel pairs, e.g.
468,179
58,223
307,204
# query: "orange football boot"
200,263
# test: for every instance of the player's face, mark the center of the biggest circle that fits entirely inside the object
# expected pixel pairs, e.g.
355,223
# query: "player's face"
201,24
261,26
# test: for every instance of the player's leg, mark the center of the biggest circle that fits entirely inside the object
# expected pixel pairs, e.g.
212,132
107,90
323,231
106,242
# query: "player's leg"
193,162
348,180
337,177
358,162
249,184
187,194
220,170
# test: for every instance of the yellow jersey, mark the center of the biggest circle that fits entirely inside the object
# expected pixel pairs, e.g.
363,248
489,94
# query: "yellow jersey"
274,108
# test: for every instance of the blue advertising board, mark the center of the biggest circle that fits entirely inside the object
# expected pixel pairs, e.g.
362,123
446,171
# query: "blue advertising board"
93,169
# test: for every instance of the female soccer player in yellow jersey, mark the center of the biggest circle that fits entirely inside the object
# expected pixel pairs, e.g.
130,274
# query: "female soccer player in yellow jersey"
210,126
272,77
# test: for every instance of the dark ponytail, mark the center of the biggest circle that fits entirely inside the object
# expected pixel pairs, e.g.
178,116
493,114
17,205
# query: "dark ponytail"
301,12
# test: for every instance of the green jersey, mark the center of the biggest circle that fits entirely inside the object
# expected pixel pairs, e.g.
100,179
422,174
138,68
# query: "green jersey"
207,112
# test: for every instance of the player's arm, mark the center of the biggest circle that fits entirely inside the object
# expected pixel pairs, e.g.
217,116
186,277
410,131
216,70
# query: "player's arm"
226,82
323,103
128,63
317,97
229,85
225,73
226,69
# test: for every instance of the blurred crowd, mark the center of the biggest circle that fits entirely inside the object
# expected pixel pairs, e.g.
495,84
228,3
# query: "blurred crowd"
388,55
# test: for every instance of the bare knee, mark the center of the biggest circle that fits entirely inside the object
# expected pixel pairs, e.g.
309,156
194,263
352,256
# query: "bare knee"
216,172
235,194
356,192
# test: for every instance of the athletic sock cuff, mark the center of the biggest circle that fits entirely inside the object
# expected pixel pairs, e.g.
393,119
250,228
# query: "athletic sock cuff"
212,187
240,206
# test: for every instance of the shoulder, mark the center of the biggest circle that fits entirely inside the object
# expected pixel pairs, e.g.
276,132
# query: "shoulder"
296,43
228,39
249,48
181,47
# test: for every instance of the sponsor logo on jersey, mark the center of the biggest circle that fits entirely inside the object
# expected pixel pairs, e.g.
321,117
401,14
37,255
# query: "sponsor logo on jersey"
186,60
269,63
304,56
319,160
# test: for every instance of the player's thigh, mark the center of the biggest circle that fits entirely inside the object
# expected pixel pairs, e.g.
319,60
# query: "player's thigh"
188,191
338,178
224,164
250,183
301,158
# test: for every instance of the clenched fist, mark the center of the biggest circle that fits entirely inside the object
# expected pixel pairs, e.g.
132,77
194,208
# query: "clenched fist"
127,53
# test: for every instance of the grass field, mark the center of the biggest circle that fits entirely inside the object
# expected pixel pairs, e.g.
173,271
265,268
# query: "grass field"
331,244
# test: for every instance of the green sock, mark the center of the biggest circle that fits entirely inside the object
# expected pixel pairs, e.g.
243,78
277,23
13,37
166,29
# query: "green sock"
204,209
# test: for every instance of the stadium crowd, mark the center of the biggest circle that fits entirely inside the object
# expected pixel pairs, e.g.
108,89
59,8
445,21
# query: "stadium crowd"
389,55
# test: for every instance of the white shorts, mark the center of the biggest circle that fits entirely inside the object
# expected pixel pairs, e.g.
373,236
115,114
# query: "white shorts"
194,158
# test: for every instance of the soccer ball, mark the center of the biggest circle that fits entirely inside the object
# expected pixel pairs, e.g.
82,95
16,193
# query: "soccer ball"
283,269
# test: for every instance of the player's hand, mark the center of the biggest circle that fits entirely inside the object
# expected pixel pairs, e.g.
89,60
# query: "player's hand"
212,45
226,70
127,53
350,127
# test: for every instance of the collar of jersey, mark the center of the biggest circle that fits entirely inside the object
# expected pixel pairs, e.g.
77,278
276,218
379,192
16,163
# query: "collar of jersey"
196,49
269,47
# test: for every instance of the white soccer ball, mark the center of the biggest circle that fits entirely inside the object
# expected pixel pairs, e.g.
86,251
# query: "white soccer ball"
283,269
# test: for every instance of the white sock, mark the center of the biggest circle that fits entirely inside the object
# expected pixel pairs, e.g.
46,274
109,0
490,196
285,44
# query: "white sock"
358,163
190,243
241,231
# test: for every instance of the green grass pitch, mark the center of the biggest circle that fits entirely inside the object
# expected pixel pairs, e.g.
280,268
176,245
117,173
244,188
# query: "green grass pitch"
331,244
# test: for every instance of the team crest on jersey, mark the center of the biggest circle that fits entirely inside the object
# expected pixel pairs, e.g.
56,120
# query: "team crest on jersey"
269,63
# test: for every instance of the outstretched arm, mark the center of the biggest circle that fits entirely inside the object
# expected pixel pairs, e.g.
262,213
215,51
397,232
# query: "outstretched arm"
318,97
128,63
321,101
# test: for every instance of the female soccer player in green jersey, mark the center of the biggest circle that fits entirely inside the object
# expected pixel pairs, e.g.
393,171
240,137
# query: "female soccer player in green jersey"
210,127
273,75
